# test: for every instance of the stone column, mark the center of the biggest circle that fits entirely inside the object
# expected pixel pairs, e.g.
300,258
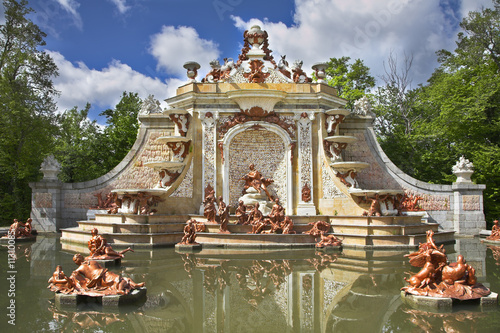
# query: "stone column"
208,122
46,198
306,204
468,215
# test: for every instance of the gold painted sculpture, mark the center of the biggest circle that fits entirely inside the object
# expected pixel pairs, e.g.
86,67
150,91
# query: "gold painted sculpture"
437,278
495,232
21,230
254,179
101,250
91,279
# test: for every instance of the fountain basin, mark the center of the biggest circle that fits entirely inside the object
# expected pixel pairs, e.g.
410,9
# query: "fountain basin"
346,166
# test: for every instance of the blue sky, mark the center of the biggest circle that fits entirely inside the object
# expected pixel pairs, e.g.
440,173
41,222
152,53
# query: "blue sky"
105,47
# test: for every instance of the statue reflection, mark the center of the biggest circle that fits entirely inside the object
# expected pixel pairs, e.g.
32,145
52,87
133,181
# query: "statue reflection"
463,321
68,321
495,250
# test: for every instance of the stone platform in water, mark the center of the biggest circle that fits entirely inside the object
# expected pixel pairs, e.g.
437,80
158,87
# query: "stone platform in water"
445,303
107,262
188,248
149,231
491,242
107,301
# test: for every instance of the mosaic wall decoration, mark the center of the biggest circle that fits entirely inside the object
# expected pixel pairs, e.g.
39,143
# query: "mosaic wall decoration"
185,189
330,190
471,202
43,200
373,177
267,151
305,153
431,202
208,123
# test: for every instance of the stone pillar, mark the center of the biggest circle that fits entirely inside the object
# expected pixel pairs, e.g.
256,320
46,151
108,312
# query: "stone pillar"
208,152
46,198
468,216
306,204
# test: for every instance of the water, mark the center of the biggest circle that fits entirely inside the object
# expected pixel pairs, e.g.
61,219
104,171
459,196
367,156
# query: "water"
246,291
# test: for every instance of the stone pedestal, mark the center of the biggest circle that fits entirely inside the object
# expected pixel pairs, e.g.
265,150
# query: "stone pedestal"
253,196
468,216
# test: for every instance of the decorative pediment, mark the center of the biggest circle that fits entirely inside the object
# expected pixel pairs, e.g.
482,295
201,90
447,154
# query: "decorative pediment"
256,102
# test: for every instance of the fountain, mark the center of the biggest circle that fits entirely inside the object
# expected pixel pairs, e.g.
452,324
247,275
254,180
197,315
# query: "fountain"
318,159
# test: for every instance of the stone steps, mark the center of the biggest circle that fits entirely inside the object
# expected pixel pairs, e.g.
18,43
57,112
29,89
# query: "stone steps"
364,232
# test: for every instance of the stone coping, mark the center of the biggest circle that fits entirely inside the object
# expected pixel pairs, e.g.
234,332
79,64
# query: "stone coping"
188,248
107,301
445,303
490,242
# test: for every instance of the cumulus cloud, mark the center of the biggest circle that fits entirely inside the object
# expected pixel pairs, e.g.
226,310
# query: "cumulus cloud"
365,29
71,6
172,47
121,5
103,88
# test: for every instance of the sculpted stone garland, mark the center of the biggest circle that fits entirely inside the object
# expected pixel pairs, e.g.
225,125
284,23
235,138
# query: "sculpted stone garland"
305,152
208,123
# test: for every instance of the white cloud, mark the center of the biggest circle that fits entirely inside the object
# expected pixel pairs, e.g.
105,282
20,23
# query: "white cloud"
172,47
121,5
71,7
103,88
365,29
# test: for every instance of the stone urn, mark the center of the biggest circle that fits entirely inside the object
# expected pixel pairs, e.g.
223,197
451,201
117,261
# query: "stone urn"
463,170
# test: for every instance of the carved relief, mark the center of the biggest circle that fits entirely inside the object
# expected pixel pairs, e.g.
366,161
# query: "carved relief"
257,72
242,118
332,122
306,193
182,122
180,149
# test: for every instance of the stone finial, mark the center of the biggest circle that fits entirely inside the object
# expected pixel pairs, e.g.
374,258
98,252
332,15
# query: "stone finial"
50,168
192,70
463,170
150,105
362,106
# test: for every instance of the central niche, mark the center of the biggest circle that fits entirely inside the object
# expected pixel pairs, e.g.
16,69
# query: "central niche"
267,151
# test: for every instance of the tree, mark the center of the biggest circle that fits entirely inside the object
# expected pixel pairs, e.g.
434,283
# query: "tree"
122,128
352,81
456,113
87,150
80,146
26,108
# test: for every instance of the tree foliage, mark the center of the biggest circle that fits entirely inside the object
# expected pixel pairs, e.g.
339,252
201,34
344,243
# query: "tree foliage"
352,80
456,113
87,150
122,128
26,108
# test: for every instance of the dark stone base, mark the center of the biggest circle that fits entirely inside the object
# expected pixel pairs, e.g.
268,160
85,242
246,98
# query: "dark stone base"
490,242
445,303
109,301
107,262
187,248
5,240
329,248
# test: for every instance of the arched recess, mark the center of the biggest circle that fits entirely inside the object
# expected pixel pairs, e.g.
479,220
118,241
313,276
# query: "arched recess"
271,155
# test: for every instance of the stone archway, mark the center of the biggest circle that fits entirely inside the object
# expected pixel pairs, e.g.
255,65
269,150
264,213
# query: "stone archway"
268,147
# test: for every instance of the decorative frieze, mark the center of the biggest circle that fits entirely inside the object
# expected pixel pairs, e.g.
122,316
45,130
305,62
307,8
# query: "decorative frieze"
209,125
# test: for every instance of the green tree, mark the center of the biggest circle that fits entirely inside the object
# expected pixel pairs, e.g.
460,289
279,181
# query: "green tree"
80,146
456,113
122,128
352,80
26,108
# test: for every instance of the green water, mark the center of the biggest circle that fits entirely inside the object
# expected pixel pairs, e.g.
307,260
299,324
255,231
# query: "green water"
245,291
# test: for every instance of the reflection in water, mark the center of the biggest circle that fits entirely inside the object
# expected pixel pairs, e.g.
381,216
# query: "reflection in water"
248,291
496,253
462,321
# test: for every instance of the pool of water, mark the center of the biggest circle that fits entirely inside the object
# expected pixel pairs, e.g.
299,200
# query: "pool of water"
245,291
